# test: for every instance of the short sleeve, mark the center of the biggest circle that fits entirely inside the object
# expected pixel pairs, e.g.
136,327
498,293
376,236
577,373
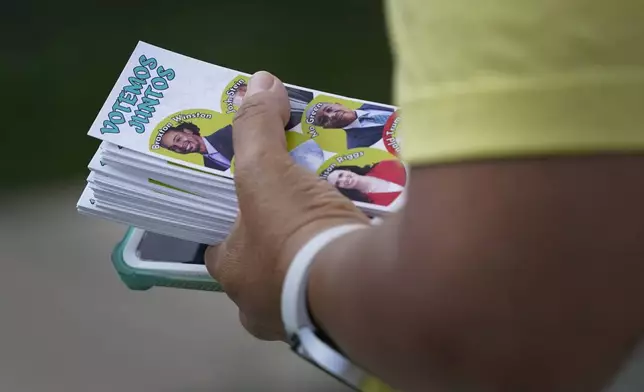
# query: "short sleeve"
504,78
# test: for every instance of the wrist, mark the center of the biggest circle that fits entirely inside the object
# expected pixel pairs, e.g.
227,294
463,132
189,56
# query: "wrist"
317,287
326,297
294,299
303,335
334,278
298,239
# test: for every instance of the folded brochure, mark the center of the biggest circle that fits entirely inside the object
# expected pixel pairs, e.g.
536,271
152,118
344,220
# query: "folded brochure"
167,131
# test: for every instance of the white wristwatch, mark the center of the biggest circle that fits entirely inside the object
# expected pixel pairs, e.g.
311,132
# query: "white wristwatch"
305,339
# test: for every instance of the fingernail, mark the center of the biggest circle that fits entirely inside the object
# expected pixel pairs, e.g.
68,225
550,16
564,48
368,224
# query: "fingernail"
260,81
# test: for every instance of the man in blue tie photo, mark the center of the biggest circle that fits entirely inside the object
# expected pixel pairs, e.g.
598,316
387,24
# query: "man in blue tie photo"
216,148
363,126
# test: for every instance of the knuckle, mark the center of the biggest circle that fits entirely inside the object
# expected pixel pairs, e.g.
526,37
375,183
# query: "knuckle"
224,261
245,322
219,266
232,290
256,329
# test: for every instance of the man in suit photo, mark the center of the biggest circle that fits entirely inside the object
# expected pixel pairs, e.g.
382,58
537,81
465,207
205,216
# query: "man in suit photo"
216,148
363,126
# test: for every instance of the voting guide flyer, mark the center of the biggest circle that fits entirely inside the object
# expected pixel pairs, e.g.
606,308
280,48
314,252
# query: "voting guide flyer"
178,111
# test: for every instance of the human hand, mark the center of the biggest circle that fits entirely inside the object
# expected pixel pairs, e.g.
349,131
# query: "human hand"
282,205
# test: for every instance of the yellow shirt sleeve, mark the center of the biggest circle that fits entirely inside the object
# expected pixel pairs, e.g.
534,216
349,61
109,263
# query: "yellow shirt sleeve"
502,78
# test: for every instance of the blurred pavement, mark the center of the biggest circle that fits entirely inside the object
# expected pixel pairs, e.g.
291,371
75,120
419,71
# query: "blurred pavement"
68,323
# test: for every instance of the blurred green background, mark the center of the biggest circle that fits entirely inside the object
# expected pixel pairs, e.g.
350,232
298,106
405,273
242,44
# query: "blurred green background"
62,58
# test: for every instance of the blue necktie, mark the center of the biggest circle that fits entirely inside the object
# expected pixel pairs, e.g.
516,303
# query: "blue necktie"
374,119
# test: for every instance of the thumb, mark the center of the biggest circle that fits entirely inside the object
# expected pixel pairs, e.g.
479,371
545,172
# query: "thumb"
258,127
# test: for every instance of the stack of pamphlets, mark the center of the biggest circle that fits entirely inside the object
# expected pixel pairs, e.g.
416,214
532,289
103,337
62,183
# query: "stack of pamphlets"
167,162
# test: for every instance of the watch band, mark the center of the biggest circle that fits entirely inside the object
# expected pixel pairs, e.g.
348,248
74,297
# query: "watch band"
302,334
295,313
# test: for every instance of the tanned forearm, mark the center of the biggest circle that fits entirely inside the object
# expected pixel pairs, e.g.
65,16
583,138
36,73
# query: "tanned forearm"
356,296
500,276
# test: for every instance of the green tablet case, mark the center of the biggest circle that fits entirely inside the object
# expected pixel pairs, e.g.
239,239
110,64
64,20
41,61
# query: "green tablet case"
140,280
